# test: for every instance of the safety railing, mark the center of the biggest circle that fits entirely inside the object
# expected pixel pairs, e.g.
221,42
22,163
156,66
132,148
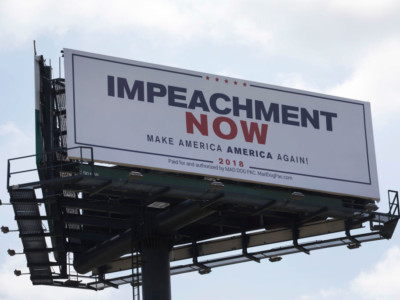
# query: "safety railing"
51,167
393,203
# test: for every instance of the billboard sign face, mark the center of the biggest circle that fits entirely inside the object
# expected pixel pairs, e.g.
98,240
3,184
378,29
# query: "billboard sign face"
152,116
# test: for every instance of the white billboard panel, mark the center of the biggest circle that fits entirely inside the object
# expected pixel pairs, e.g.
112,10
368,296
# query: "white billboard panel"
158,117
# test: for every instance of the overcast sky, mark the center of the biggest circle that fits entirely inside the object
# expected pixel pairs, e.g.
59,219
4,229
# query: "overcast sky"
338,47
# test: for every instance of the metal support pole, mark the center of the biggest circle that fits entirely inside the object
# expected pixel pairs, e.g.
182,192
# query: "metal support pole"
156,278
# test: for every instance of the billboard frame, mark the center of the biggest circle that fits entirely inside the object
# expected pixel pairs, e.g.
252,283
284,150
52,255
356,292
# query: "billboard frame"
252,171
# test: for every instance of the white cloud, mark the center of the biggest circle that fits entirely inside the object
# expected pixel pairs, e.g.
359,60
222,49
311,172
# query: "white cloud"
15,143
365,8
14,137
22,21
325,294
380,282
375,79
296,81
320,32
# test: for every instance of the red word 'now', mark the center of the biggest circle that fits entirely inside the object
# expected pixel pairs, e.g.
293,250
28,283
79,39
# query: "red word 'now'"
249,132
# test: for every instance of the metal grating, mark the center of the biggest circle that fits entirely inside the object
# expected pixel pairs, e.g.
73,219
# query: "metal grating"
35,248
92,220
230,260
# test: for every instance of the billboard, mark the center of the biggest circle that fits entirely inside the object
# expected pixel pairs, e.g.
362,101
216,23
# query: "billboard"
152,116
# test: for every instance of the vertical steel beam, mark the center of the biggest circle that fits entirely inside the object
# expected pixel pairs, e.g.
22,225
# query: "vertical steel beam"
156,278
